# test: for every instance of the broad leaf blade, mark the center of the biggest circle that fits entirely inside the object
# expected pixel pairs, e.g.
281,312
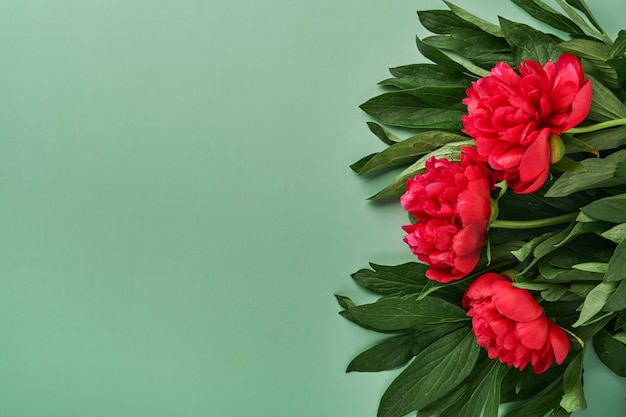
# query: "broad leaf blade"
529,43
433,373
401,279
398,313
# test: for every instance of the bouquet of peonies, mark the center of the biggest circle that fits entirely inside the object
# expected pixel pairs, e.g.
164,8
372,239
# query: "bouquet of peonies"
515,187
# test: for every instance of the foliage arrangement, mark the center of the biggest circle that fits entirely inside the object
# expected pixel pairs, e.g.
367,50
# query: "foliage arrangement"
515,188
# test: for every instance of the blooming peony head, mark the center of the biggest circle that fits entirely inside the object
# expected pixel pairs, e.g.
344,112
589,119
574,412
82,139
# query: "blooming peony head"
511,116
511,326
452,205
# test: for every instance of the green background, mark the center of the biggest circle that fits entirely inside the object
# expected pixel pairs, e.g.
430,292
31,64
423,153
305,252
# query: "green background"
177,211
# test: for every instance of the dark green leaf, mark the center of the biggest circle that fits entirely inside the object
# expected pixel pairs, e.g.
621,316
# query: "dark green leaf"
433,373
587,332
611,352
383,134
566,164
529,43
488,27
442,21
344,302
574,396
397,313
525,251
554,293
616,234
541,11
575,16
617,267
560,412
595,300
582,6
358,165
484,393
617,301
398,184
389,354
611,209
604,104
619,46
600,172
430,111
410,149
482,49
450,62
587,48
422,75
606,138
401,279
619,66
540,405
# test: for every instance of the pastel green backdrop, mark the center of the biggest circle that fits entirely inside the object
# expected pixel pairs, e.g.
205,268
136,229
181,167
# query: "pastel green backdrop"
176,208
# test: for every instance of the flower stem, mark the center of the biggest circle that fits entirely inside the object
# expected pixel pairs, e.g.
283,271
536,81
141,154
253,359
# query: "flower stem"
597,126
531,224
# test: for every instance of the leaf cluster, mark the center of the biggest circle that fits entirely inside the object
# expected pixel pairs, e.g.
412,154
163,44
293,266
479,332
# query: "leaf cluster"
576,271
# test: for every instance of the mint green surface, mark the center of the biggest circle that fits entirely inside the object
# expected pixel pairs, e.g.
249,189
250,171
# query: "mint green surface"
176,209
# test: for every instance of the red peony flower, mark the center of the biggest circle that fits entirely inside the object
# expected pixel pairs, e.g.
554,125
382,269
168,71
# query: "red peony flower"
509,323
452,206
512,116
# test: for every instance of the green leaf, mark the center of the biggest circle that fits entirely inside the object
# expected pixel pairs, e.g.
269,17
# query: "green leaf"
620,337
401,279
617,267
616,234
619,66
617,301
358,165
611,352
540,405
433,373
488,27
525,251
611,209
604,104
574,395
397,313
433,110
619,46
554,293
529,43
582,6
606,138
600,172
410,149
560,412
398,184
455,63
595,300
587,48
389,354
422,75
442,21
344,302
484,393
577,18
566,164
541,11
383,134
599,267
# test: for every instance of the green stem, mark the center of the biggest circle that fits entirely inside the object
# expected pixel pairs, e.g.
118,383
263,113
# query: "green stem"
597,126
531,224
